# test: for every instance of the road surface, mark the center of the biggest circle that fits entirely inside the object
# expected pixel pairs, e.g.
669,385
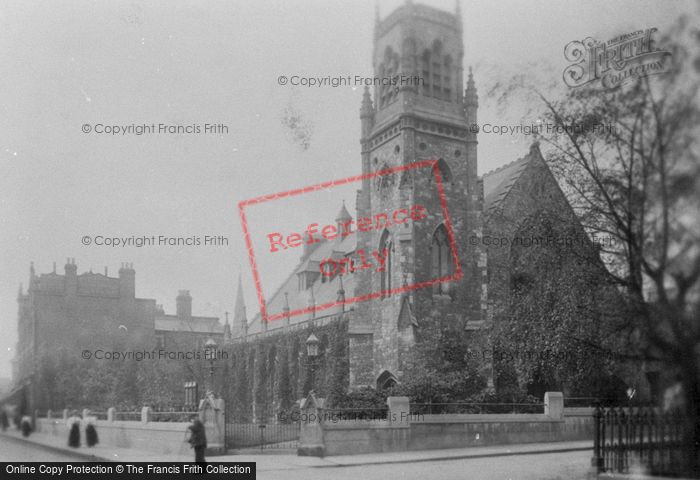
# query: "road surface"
549,466
12,450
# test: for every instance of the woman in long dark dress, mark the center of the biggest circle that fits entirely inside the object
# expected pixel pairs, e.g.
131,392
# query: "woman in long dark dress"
26,424
198,439
74,433
4,422
91,434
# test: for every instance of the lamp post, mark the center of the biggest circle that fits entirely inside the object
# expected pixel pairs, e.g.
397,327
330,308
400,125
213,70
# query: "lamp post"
210,353
312,352
630,395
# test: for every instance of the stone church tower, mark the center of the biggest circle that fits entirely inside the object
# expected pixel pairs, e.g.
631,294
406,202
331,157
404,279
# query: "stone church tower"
425,116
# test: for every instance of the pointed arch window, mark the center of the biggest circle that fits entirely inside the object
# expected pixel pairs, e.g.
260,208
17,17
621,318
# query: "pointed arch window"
436,70
386,380
447,79
388,69
385,181
445,172
386,249
441,260
425,69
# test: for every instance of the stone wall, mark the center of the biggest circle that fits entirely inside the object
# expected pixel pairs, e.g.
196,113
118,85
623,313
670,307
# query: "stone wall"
402,431
157,437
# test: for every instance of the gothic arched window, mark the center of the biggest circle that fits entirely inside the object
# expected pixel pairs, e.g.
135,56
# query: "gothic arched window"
445,172
386,380
447,79
441,260
387,70
436,72
436,69
425,69
385,181
386,248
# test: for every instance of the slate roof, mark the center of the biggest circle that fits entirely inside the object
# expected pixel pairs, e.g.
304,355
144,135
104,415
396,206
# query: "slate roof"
323,292
173,323
498,182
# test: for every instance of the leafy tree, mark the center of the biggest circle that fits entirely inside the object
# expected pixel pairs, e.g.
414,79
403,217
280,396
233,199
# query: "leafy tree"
636,182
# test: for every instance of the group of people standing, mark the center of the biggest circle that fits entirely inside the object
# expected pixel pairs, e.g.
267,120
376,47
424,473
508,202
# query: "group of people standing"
196,432
24,423
74,423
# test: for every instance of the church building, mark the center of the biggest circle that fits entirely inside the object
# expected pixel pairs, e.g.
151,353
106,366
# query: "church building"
427,120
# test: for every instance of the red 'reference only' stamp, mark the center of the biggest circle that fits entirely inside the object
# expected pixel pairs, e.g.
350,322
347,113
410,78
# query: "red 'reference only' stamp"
277,241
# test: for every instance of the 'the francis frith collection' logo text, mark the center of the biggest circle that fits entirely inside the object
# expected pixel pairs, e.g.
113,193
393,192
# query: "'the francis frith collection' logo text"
623,58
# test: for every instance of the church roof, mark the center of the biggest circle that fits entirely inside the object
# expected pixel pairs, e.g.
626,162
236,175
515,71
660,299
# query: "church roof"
323,290
498,182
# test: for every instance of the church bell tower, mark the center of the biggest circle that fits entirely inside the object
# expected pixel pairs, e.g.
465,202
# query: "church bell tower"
416,111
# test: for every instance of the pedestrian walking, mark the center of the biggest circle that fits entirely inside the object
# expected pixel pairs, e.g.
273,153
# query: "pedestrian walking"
26,425
73,423
198,438
4,421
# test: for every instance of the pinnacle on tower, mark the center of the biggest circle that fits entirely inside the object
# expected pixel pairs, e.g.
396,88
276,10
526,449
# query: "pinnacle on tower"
470,96
366,110
240,322
458,12
343,215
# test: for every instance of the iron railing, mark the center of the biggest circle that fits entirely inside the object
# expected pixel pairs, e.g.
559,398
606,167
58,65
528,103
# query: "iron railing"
331,415
590,402
637,439
127,416
99,414
463,407
172,416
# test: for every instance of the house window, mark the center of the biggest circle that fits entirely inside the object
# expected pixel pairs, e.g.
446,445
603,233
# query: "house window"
441,260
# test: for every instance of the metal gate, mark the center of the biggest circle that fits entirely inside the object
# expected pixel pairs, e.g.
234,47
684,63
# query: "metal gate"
270,434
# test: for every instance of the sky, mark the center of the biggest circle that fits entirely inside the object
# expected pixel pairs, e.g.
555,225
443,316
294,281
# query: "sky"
67,64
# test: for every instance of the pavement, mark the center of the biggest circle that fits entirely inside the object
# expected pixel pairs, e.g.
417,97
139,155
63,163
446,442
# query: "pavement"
290,461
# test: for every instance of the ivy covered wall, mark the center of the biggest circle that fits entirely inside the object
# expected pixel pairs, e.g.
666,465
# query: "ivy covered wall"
264,376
